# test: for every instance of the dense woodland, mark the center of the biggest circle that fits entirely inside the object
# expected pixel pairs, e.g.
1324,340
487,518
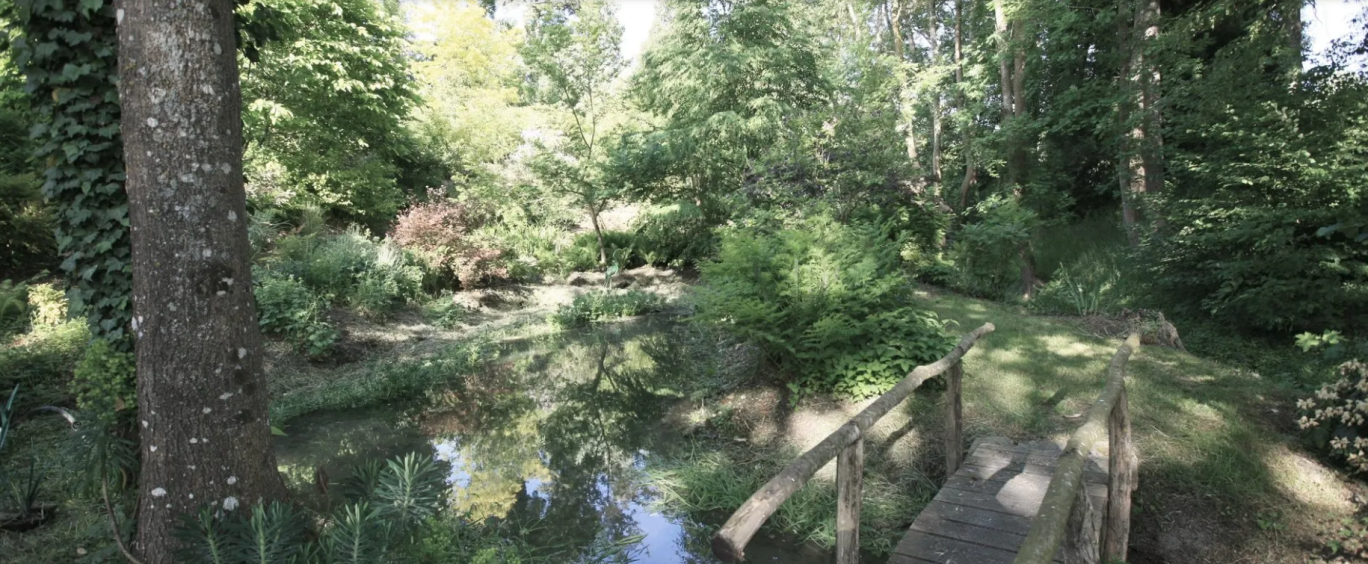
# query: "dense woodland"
181,190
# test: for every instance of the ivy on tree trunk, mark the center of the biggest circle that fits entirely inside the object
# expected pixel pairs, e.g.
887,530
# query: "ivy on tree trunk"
69,55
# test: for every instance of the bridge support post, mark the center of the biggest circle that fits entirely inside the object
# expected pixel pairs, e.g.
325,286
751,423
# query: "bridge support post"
954,419
849,487
1122,463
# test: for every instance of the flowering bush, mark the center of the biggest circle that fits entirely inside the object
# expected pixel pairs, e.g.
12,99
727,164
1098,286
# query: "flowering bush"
441,230
1335,417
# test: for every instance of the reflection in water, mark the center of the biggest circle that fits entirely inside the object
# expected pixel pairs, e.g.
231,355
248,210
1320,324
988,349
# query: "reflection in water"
555,436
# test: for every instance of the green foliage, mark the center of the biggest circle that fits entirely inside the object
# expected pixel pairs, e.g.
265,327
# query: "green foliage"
287,306
47,305
27,244
363,531
383,380
1262,156
724,82
324,109
583,252
676,235
1091,285
103,382
987,249
606,305
444,312
20,494
70,57
14,310
42,361
828,303
1335,420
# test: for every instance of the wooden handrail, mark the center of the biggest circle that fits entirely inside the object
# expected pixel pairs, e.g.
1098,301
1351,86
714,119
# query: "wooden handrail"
730,542
1051,524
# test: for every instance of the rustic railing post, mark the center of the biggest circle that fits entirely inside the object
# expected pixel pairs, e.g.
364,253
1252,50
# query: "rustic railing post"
954,419
849,495
1121,465
1051,524
846,442
1081,544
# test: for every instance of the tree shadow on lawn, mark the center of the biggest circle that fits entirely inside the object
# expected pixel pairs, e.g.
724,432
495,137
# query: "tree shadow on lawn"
1215,462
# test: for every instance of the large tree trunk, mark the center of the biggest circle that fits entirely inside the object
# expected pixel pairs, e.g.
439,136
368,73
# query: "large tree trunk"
970,173
905,95
1141,159
1012,68
933,40
201,390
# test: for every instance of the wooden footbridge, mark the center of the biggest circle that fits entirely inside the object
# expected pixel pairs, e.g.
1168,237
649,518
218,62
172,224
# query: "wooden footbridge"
1006,503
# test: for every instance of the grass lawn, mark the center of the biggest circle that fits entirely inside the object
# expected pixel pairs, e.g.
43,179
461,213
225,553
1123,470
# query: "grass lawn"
1222,476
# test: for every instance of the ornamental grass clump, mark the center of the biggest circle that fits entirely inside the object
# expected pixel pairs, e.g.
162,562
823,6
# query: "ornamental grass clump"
1335,418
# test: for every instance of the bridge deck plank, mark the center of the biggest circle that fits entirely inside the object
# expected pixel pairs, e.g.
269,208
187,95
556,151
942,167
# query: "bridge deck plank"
984,511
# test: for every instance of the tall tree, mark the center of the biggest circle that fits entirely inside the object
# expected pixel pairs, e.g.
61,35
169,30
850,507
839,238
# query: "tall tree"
574,52
201,389
1012,71
1141,160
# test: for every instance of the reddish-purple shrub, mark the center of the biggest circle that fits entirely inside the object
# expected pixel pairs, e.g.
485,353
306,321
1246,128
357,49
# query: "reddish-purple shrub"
440,230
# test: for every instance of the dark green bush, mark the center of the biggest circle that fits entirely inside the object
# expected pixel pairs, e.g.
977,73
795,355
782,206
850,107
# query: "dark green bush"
605,305
1090,285
583,253
828,302
103,382
987,248
286,306
675,236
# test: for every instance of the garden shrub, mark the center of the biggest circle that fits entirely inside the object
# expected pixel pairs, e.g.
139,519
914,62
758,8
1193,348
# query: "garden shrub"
103,382
1336,418
828,302
1090,285
47,305
396,278
583,252
676,236
329,264
13,306
286,306
986,252
606,305
442,232
444,312
26,225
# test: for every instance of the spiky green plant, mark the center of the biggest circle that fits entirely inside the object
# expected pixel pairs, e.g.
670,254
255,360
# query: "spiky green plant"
272,535
410,490
204,537
358,535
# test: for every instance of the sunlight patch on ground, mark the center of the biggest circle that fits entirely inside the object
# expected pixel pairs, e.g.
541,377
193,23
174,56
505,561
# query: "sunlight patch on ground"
1307,481
1069,345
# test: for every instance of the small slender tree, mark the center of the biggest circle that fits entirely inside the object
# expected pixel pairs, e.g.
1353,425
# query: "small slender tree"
202,399
574,53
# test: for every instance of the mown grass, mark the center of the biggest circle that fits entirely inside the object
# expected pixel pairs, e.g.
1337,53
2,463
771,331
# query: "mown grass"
1221,477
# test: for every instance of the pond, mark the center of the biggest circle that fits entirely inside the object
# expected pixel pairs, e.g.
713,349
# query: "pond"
557,436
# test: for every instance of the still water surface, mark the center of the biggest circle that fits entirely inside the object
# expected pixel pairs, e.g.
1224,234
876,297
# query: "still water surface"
558,435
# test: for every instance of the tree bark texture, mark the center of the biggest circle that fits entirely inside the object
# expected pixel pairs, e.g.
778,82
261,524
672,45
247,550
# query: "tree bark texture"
202,401
906,97
1141,159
